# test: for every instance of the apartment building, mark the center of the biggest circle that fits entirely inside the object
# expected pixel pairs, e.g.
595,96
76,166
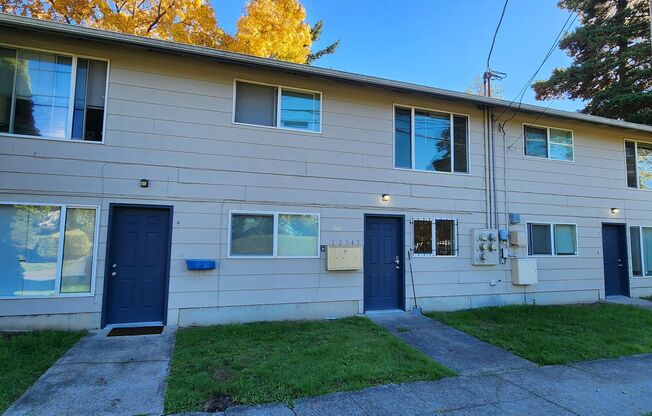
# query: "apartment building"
144,181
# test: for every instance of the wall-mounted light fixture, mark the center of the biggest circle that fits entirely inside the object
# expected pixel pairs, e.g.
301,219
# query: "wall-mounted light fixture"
144,183
385,197
615,210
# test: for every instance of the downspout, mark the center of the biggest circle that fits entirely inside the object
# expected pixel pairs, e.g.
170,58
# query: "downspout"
487,168
492,124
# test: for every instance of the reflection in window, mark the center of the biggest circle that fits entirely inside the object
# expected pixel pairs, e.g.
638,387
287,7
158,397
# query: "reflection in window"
42,94
635,245
252,235
403,138
257,104
548,239
422,236
630,160
90,86
644,165
445,231
647,250
7,71
437,146
29,246
565,239
78,241
298,235
35,95
432,141
536,141
561,144
300,110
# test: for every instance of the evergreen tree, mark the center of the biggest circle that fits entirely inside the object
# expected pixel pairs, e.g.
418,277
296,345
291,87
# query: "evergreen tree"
612,60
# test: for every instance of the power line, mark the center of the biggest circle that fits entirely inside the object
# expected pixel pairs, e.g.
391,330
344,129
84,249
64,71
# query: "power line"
527,84
493,42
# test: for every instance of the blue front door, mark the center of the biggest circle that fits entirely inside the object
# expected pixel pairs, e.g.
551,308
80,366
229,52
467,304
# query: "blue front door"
614,256
383,263
138,258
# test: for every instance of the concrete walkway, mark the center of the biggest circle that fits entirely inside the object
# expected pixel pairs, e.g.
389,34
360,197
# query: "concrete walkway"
461,352
620,387
103,376
624,300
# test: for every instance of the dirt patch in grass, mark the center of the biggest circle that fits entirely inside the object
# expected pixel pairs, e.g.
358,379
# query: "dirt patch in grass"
263,362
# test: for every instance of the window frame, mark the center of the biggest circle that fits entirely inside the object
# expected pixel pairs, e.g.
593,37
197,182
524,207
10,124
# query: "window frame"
638,180
641,248
274,254
524,125
451,115
62,229
279,95
433,230
552,239
71,98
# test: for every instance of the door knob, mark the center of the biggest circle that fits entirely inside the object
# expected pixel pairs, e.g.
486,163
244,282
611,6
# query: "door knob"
114,274
114,265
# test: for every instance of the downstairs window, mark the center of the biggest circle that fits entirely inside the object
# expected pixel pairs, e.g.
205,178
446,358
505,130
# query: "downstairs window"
47,250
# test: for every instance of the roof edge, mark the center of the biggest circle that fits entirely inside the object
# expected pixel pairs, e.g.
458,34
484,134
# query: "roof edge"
28,23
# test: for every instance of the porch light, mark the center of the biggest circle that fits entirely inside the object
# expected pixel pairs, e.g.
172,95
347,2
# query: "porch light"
385,197
144,183
615,210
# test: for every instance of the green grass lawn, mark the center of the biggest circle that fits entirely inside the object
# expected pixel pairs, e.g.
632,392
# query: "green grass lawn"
558,334
25,356
281,361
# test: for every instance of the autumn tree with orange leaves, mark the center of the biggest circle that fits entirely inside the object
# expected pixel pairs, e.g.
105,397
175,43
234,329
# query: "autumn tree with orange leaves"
269,28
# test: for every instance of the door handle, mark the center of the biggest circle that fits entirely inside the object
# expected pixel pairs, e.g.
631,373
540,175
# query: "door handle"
114,265
114,274
397,261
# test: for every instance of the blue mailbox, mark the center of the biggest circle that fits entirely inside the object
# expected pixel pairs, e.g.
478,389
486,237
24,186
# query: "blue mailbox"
200,264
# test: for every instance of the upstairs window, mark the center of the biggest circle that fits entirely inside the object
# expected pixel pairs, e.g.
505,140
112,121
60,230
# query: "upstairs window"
434,237
552,239
45,94
638,158
273,106
548,143
430,140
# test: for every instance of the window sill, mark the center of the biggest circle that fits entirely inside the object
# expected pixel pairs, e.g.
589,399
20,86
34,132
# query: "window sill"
548,159
272,257
54,139
317,133
59,296
433,171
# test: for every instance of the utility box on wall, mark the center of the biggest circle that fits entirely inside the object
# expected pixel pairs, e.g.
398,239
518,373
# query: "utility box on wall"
485,247
524,271
343,258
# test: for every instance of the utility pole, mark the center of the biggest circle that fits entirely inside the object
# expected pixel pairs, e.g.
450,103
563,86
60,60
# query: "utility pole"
490,74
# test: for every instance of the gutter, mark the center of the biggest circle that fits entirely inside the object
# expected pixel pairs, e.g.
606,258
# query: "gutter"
85,33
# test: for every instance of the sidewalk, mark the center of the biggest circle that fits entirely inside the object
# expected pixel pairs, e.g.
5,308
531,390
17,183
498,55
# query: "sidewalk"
620,387
461,352
103,376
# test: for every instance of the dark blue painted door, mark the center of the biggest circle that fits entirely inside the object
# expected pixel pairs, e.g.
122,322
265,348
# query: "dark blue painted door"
614,254
138,259
383,263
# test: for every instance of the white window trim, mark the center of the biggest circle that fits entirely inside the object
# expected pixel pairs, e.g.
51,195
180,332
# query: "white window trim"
279,90
412,147
274,254
640,241
523,125
71,98
433,231
552,238
62,225
638,181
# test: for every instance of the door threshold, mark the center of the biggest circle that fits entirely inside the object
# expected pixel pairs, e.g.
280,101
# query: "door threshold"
384,311
134,324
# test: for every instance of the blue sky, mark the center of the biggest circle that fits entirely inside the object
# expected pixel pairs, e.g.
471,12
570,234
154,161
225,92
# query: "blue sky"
435,42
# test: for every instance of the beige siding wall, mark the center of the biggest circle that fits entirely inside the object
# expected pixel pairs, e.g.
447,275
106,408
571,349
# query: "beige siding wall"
169,120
